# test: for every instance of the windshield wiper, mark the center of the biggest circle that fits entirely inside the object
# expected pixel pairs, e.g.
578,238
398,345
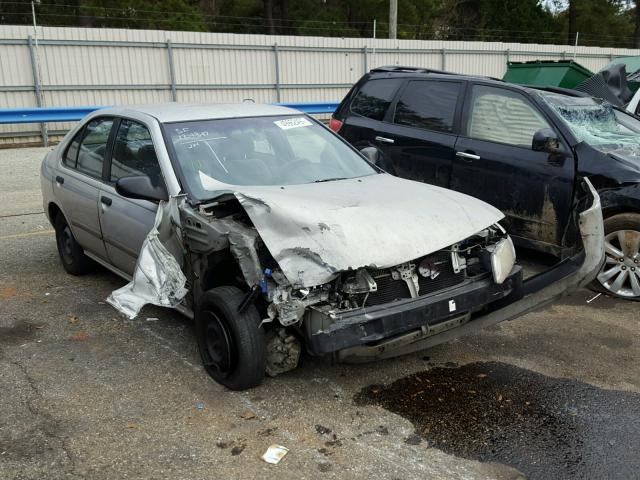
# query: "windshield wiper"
329,179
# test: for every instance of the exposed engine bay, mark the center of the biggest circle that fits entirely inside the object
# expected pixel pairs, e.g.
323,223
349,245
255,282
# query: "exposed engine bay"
224,224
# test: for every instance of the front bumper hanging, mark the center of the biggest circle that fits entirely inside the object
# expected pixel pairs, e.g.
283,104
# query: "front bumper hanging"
407,326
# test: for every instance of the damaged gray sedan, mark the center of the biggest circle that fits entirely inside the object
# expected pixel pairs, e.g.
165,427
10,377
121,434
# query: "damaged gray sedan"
277,236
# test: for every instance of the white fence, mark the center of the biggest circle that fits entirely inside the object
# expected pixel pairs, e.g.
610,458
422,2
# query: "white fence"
80,66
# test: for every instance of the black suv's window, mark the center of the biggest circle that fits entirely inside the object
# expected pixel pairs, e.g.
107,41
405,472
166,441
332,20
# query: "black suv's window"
428,104
374,98
504,116
133,153
93,146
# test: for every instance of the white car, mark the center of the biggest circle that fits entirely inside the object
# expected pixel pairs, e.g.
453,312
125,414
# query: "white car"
277,235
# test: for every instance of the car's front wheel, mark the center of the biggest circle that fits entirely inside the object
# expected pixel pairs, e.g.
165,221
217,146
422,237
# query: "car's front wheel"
232,344
71,253
620,275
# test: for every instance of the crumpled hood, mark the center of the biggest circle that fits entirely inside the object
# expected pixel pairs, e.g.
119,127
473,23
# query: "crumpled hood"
316,230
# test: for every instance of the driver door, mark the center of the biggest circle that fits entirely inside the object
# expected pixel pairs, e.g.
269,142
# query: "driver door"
494,162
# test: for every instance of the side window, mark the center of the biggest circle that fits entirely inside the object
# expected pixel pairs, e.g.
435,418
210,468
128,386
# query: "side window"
71,155
93,146
500,115
429,105
374,98
133,152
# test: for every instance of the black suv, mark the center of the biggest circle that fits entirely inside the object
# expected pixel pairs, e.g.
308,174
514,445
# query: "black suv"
520,149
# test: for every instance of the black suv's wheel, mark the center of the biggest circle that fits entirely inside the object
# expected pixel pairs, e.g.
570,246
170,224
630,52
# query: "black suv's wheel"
620,275
71,254
232,344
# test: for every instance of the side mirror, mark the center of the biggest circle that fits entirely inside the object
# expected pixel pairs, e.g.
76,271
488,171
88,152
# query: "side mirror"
142,187
545,140
372,154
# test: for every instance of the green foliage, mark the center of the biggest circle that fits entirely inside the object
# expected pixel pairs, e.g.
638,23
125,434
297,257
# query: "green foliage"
599,22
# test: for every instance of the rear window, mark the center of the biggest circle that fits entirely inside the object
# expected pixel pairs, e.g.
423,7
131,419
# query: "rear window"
374,98
429,105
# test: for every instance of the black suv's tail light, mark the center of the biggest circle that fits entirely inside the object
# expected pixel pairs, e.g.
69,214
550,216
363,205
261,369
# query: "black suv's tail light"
335,125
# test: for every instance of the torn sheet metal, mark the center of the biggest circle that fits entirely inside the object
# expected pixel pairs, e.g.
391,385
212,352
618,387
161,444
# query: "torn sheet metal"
315,230
158,278
243,243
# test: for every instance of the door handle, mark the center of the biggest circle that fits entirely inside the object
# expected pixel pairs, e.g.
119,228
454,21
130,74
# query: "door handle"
106,200
60,179
384,139
468,156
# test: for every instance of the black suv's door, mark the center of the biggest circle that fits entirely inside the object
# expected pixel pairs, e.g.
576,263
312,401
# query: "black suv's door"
496,163
366,112
418,135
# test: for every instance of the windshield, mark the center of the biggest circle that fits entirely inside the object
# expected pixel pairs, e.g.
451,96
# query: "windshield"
279,150
597,123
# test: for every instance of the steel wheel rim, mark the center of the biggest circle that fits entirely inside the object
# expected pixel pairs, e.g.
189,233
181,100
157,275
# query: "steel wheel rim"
620,274
66,244
220,349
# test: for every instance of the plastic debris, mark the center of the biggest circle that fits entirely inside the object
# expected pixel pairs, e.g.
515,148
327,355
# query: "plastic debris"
593,298
152,319
200,406
274,454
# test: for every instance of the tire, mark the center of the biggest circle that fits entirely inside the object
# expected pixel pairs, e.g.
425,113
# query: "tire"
71,253
232,345
622,236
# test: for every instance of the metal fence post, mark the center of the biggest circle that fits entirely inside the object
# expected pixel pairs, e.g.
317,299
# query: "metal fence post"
37,89
172,72
277,65
365,59
443,60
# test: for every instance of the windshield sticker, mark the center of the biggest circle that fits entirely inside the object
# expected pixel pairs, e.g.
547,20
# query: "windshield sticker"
293,123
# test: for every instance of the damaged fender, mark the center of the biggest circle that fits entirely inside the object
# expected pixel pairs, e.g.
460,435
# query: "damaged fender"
158,277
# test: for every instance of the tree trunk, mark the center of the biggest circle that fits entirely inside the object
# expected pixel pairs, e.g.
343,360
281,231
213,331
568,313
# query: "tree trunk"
268,13
283,17
573,22
636,32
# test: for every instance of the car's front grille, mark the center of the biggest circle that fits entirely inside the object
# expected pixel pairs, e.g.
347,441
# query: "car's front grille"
390,289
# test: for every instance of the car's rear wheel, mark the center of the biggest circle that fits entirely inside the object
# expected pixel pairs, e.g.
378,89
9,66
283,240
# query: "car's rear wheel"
71,253
620,275
232,344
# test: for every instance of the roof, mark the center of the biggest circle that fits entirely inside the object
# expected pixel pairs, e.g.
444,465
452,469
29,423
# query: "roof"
182,112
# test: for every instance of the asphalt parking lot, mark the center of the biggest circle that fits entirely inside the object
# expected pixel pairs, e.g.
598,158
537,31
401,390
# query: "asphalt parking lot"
85,393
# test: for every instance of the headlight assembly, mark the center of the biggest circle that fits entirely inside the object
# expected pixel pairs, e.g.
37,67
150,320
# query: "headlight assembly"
502,258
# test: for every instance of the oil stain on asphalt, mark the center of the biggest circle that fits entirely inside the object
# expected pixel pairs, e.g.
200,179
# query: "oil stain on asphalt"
545,427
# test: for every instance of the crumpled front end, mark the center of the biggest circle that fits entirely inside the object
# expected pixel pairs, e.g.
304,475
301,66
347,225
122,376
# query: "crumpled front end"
488,255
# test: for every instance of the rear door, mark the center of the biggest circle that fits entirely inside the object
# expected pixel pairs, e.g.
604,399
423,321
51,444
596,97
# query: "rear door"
125,221
78,182
419,135
495,162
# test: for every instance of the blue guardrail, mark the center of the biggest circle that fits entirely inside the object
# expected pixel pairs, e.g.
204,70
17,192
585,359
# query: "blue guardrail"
73,114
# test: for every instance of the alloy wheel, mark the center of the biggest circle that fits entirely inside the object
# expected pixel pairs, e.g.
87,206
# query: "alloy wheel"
620,274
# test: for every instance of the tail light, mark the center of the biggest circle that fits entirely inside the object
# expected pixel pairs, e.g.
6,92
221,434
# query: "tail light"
335,125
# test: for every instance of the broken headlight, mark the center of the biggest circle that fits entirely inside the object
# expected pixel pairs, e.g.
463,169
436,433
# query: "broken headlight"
502,258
